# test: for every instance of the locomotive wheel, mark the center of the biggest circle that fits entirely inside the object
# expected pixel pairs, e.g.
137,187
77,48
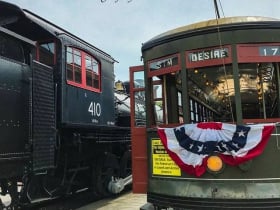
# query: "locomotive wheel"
106,168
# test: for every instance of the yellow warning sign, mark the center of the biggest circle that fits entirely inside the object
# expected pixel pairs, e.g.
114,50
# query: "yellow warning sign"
162,163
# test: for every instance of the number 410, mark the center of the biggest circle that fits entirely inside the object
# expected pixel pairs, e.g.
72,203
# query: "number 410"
95,109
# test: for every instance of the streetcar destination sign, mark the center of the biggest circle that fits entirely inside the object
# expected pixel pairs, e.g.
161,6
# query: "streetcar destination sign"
265,52
164,63
208,54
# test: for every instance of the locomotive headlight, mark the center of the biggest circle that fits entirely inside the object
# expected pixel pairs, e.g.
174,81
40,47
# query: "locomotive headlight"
214,164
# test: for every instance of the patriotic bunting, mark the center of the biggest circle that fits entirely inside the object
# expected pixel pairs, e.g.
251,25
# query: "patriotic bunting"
189,145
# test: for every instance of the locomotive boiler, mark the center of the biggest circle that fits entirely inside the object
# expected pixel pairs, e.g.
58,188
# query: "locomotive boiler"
61,131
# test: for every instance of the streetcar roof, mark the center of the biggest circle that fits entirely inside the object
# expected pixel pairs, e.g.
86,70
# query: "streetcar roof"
208,26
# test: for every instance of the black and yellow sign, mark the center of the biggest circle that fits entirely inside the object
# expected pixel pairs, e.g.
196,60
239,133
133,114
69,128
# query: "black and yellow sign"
162,163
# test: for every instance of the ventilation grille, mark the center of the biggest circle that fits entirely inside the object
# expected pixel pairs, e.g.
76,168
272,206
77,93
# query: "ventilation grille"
43,117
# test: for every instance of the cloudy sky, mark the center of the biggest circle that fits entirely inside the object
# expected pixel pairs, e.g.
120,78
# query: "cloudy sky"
120,28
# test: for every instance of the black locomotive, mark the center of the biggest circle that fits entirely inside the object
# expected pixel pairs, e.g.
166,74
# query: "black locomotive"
60,127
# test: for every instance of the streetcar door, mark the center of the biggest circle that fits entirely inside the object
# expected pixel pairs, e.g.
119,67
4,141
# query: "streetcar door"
138,129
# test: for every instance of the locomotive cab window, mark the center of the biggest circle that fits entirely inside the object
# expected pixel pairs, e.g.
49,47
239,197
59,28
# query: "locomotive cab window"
92,72
46,53
11,48
74,66
82,70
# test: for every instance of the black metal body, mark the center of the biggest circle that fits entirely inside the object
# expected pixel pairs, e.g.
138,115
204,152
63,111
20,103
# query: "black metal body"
51,141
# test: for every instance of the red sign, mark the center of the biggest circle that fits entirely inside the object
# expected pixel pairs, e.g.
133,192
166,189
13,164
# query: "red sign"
265,52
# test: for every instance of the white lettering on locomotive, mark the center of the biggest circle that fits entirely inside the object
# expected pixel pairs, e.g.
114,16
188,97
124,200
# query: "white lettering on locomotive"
94,109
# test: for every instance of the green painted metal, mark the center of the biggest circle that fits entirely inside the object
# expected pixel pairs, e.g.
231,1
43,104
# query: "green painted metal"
253,181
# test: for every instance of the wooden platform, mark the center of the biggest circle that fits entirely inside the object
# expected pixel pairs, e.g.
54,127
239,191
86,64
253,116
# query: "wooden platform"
127,201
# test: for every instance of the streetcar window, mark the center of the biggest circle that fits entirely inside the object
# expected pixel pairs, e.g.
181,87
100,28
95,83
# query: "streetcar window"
82,70
139,79
139,98
259,98
46,53
213,97
180,107
211,92
158,101
11,48
139,108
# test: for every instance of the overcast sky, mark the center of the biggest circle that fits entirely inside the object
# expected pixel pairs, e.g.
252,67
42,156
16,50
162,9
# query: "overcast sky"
120,28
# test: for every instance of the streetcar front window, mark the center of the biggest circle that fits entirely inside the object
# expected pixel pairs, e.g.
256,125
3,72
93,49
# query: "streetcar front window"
258,90
211,92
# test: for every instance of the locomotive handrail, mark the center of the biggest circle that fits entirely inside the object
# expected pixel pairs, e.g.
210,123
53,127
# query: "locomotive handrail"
11,33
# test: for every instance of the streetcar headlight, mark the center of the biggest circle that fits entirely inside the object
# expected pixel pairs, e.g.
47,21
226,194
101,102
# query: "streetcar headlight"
214,163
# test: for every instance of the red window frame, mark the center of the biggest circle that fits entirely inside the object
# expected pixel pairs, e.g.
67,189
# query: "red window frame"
93,73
